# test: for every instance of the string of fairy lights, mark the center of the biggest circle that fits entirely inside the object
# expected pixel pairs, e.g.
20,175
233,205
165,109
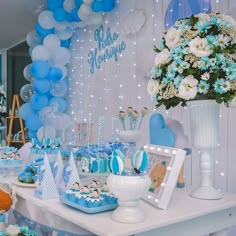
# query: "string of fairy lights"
86,99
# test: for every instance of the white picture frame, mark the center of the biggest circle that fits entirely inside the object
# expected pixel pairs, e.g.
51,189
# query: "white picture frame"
163,179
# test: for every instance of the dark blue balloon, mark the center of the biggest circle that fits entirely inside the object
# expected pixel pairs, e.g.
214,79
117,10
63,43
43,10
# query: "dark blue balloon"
78,3
65,43
97,6
69,17
59,14
55,73
53,4
37,101
108,5
39,69
75,16
60,102
33,122
176,11
41,86
42,31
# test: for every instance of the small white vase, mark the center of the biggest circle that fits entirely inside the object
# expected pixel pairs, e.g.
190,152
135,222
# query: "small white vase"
204,120
128,190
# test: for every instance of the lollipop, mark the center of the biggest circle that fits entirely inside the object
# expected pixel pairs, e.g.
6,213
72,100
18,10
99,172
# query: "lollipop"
135,115
140,161
144,112
130,115
121,117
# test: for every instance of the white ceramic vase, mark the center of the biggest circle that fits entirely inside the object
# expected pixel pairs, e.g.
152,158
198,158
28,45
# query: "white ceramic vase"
128,190
204,121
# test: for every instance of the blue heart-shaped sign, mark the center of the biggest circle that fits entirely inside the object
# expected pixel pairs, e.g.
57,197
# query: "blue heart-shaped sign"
159,134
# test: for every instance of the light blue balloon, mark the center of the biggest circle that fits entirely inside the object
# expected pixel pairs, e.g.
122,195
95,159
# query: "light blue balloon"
39,69
59,102
42,31
31,134
41,86
37,101
33,122
25,110
54,4
97,6
59,14
55,74
178,9
108,5
65,43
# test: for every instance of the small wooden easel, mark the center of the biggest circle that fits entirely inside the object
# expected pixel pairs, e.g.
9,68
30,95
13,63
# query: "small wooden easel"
13,117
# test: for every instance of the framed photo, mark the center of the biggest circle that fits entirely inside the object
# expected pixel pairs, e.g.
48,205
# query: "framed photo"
164,166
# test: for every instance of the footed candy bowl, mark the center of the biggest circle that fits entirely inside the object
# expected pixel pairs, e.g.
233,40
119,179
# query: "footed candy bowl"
128,190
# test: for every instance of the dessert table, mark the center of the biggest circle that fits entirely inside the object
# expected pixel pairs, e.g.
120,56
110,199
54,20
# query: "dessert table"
185,216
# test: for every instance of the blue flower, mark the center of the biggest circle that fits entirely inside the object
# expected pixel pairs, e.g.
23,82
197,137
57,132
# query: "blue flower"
231,72
177,81
156,72
203,26
203,87
167,79
220,86
206,63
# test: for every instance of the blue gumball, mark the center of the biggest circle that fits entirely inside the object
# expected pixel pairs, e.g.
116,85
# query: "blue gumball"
55,74
41,86
31,134
42,31
59,102
65,43
108,5
25,110
37,101
59,14
97,6
39,69
33,122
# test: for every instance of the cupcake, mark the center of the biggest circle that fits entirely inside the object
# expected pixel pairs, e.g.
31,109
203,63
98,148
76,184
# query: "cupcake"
26,177
94,199
111,199
104,191
85,191
75,187
94,184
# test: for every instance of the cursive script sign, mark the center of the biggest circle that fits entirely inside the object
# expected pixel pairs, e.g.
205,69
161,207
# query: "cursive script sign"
107,48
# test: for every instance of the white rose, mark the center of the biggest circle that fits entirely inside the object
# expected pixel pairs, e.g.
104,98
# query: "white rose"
188,88
203,17
153,87
230,20
199,47
172,37
12,230
162,57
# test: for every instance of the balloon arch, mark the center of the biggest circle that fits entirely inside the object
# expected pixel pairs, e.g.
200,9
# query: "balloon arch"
44,96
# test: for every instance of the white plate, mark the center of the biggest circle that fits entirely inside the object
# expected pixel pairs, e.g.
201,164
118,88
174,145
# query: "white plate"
21,184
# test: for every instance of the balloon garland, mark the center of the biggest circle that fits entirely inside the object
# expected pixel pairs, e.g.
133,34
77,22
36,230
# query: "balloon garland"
49,50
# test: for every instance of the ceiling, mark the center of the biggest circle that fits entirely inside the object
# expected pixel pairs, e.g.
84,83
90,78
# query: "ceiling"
17,19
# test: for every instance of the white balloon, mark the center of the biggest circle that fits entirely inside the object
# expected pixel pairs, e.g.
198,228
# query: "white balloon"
46,132
84,11
64,34
58,120
46,19
33,38
60,56
40,53
51,42
43,113
69,5
61,25
58,88
27,73
88,1
94,19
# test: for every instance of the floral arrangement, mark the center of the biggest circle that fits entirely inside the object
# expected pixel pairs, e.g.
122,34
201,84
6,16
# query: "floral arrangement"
196,60
16,230
133,116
